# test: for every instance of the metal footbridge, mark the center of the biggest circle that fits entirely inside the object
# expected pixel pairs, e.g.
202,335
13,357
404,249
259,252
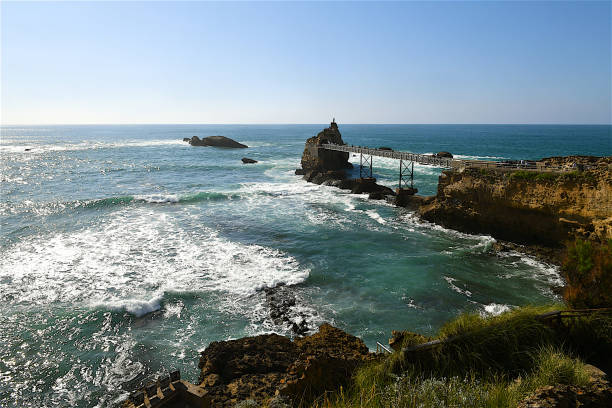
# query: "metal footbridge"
405,156
407,160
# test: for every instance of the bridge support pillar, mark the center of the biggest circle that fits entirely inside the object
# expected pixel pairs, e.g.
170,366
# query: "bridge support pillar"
406,175
367,161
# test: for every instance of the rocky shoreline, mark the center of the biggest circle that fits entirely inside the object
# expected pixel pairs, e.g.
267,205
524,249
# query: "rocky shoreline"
531,212
525,212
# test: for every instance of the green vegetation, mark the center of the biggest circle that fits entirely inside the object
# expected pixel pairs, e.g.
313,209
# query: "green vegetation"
577,176
534,175
486,362
587,269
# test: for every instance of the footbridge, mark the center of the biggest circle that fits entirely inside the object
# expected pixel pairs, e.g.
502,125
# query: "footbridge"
408,159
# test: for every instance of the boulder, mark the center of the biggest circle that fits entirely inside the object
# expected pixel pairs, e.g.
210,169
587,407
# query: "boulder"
299,172
444,154
187,139
216,141
246,160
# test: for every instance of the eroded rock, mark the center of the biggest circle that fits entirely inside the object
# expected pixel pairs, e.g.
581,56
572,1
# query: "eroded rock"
216,141
263,366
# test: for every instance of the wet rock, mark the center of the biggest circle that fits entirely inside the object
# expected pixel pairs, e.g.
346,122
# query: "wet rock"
187,139
447,155
368,185
281,301
300,172
246,160
216,141
385,148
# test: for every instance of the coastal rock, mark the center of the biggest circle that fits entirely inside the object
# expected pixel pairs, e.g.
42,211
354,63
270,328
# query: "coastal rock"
187,139
368,185
263,366
281,302
555,206
597,394
327,360
216,141
323,160
246,160
448,155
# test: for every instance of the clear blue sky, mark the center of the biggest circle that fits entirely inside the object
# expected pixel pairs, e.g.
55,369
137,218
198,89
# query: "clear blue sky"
203,62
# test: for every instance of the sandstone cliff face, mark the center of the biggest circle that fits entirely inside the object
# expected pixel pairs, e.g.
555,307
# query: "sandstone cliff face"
264,366
527,208
324,160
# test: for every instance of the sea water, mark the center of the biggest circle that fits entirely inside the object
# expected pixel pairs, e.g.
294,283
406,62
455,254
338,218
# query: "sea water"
124,251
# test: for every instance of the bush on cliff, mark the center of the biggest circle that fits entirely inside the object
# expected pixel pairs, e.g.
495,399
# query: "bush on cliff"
587,270
490,362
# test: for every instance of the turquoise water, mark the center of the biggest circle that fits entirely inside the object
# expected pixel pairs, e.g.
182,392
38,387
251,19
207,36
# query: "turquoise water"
124,251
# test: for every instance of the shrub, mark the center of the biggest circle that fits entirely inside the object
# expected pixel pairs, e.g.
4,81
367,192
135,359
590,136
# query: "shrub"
587,270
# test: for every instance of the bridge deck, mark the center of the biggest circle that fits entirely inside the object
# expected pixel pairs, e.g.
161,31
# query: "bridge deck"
444,162
415,157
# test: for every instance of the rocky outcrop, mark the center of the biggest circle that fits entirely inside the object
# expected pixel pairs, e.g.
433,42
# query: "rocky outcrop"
527,207
447,155
321,160
328,167
284,311
263,366
216,141
597,394
246,160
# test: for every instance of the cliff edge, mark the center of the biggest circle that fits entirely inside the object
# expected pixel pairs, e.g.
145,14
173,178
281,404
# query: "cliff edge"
528,207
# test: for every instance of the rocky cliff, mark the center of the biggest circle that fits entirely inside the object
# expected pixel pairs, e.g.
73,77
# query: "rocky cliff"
262,367
321,166
315,159
541,208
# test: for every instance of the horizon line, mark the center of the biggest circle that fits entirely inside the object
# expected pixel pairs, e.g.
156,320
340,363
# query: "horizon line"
302,123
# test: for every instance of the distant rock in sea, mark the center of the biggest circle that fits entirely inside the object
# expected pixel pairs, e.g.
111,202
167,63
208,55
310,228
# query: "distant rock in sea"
216,141
246,160
444,154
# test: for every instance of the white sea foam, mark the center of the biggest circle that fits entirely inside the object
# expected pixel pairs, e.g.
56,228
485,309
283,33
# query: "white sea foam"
137,307
375,216
157,199
495,309
131,261
38,148
451,283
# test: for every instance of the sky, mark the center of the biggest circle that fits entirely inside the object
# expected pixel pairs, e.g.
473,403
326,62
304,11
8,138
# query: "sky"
306,62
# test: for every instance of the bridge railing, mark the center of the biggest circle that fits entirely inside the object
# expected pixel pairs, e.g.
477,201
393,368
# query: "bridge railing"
432,160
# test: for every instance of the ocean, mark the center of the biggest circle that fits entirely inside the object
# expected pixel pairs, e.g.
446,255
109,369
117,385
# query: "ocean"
124,251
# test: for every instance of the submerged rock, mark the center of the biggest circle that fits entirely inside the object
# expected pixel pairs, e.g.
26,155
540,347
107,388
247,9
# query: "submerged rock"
216,141
246,160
